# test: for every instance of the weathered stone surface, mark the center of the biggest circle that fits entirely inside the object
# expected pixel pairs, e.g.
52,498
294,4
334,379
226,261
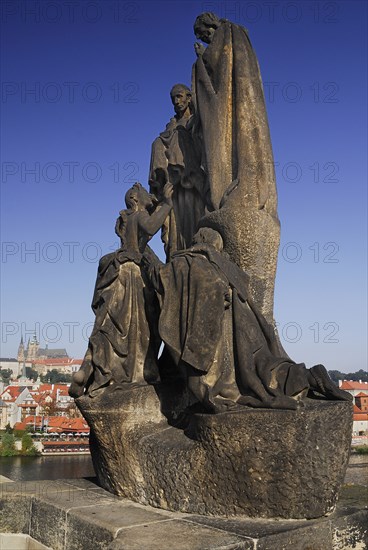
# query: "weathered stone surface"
39,488
11,522
350,532
114,523
124,342
307,538
102,523
20,542
178,534
237,146
176,158
210,306
43,518
259,463
343,530
4,479
258,231
53,508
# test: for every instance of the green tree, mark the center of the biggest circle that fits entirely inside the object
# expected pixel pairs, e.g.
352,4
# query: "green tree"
5,375
336,375
56,377
28,448
7,447
359,375
32,374
9,429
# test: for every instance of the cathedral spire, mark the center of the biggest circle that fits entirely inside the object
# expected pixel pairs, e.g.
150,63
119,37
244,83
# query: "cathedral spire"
33,347
21,355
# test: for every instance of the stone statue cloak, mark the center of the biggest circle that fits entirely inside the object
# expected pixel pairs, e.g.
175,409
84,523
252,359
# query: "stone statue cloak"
189,299
175,157
198,288
122,347
231,108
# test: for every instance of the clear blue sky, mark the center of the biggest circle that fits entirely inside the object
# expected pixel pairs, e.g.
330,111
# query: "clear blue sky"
101,73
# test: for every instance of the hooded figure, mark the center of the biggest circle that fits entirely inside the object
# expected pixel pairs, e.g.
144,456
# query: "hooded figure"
231,108
236,152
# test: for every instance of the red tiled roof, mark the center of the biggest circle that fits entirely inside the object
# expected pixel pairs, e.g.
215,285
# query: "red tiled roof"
351,385
74,425
20,425
55,423
64,443
29,420
57,361
360,416
37,397
356,409
44,387
52,387
14,391
361,394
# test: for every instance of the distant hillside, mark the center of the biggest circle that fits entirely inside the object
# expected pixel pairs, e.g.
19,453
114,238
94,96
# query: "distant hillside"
336,375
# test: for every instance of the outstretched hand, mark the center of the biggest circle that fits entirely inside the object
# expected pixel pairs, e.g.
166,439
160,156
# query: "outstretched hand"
199,48
168,192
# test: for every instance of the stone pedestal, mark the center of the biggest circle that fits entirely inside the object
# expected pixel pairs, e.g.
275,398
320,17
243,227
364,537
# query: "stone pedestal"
257,463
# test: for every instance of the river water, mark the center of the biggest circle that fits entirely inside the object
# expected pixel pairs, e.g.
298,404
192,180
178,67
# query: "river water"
29,468
357,472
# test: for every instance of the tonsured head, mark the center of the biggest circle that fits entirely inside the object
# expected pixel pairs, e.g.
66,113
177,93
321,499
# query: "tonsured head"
210,237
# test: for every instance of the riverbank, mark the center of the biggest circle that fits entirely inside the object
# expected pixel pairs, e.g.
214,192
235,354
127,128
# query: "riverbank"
36,444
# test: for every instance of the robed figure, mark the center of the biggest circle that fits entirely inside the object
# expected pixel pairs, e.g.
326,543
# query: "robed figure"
236,151
176,158
124,342
218,340
231,108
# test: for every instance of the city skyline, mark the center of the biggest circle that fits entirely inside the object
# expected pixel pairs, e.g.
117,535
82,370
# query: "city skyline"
84,94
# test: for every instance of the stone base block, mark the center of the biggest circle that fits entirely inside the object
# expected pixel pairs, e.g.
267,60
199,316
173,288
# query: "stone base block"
20,542
249,462
85,517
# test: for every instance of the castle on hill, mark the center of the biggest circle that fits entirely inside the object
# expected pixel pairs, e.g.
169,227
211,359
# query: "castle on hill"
33,351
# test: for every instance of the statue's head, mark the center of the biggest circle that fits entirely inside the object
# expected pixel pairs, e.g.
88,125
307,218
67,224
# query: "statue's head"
210,237
181,98
205,26
137,197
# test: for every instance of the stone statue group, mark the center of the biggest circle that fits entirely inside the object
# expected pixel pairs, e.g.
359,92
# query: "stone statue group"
205,317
